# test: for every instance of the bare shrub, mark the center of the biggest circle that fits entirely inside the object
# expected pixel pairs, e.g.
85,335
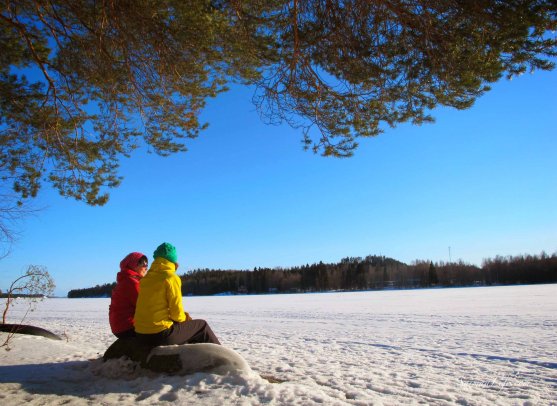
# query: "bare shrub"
33,287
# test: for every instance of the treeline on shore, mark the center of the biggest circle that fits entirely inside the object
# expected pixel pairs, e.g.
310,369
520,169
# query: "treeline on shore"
17,295
356,273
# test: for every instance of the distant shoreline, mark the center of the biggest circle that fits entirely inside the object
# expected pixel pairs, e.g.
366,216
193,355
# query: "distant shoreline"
15,296
333,291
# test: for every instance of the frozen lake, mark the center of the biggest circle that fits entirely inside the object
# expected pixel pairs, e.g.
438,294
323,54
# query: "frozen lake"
476,346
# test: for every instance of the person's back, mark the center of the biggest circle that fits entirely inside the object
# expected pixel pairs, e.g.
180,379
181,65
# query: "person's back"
159,315
159,303
124,295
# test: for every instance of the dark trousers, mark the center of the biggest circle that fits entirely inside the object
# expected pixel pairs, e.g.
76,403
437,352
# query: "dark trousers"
186,332
125,334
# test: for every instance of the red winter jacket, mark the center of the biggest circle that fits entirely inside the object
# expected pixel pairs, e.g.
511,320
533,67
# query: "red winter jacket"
124,295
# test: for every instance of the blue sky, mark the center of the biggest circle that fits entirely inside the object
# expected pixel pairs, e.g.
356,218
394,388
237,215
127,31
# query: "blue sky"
482,181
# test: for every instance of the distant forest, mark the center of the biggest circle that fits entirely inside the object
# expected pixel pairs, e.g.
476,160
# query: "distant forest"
356,273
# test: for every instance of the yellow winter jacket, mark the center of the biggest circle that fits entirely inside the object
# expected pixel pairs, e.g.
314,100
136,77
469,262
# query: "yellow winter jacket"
159,302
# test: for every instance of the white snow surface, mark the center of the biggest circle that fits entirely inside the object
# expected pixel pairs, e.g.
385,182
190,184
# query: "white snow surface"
468,346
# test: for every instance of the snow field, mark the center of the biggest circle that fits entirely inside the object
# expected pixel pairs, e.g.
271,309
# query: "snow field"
470,346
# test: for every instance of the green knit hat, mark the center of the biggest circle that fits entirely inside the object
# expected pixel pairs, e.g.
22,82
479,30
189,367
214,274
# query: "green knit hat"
166,251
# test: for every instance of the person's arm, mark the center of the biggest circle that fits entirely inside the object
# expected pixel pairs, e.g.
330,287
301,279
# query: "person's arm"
174,298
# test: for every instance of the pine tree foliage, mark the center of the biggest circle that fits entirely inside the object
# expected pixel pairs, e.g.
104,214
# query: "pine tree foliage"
351,67
83,83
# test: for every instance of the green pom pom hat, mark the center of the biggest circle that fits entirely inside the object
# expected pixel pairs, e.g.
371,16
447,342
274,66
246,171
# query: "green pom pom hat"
166,251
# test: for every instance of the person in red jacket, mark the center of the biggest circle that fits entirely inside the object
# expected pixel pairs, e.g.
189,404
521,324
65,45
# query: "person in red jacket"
124,294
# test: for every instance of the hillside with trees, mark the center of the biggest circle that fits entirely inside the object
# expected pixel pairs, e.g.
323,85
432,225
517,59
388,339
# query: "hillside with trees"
356,273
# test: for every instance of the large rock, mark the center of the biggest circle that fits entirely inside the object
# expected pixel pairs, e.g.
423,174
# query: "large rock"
212,358
179,359
134,349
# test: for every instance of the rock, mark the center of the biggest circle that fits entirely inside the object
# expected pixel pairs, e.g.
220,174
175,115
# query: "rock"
169,363
178,359
27,329
205,357
135,350
129,347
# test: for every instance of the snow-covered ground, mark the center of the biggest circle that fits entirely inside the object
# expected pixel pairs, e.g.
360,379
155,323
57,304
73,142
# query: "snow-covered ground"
472,346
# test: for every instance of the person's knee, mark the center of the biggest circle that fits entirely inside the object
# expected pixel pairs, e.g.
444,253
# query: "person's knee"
202,322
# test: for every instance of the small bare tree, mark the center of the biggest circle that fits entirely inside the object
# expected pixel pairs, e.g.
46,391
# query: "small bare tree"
33,286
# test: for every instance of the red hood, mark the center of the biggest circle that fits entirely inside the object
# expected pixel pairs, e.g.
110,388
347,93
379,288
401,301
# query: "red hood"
124,294
131,261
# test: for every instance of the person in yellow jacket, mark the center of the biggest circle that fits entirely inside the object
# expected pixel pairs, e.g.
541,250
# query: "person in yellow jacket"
159,314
